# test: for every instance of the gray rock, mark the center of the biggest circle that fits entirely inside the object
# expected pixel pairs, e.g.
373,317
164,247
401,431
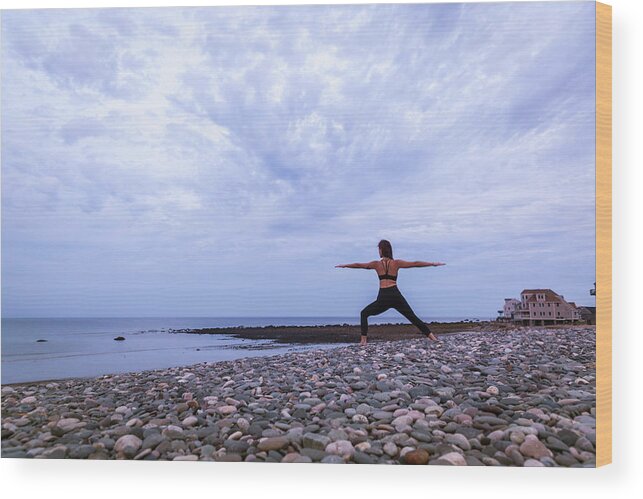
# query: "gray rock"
453,458
273,443
565,459
81,452
532,447
459,440
556,444
315,454
236,446
489,420
316,441
362,458
584,444
419,391
128,445
57,452
342,448
568,437
151,441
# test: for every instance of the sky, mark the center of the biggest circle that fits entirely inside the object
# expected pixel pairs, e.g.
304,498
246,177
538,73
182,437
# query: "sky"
220,161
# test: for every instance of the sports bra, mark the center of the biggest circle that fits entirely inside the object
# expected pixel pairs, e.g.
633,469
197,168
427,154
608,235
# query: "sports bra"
386,274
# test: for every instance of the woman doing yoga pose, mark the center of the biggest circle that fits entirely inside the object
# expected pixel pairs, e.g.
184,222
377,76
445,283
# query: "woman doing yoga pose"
389,295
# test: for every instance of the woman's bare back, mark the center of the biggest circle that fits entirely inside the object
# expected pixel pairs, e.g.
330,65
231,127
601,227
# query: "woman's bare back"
387,266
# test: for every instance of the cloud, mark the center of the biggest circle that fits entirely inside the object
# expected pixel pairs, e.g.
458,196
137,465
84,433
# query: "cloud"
189,147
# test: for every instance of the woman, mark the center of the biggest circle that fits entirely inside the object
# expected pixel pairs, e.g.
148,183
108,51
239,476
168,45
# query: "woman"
389,295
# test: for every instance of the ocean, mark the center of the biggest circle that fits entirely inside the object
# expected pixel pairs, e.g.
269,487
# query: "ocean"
83,347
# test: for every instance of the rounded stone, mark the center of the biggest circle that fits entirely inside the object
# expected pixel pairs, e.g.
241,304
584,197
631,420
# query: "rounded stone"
128,445
190,421
342,448
390,448
273,443
454,458
532,447
226,410
418,456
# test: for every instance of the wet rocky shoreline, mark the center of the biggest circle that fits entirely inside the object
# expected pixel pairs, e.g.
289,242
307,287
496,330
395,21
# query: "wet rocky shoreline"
339,333
521,397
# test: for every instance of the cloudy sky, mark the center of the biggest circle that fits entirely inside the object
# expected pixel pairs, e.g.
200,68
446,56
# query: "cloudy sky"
221,161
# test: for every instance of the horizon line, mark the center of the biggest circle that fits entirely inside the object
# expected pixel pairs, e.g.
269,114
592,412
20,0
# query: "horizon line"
219,317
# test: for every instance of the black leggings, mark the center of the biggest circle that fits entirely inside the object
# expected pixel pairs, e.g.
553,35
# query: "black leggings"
391,298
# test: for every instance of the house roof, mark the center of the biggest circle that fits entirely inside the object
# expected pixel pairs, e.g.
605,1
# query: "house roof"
550,296
587,310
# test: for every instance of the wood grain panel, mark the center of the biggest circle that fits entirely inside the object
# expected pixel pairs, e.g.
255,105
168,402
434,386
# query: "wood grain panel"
603,234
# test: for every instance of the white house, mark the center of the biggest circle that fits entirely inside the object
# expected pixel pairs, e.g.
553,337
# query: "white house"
540,307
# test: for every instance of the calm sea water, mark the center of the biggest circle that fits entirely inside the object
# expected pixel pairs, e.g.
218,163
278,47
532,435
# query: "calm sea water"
80,347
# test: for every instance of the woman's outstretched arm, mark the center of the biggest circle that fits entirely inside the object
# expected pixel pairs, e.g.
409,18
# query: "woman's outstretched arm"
369,265
407,265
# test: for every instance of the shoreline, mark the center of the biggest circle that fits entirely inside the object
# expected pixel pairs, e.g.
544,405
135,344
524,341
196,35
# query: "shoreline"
321,335
338,333
270,337
143,371
501,397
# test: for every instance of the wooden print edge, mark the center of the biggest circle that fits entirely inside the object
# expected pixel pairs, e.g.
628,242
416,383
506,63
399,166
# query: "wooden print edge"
603,234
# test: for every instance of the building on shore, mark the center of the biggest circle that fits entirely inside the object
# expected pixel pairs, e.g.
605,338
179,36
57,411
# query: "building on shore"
509,309
588,315
541,307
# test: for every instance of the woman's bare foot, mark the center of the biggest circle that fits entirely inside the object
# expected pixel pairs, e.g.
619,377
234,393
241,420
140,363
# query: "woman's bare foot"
432,337
362,341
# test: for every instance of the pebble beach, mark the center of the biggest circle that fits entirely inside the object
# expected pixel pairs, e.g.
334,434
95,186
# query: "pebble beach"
499,397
